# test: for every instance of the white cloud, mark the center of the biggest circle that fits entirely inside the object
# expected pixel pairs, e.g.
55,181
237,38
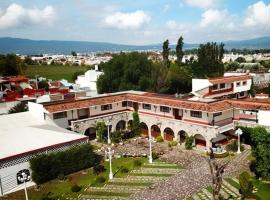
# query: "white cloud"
213,18
171,24
132,20
202,3
165,8
15,15
258,14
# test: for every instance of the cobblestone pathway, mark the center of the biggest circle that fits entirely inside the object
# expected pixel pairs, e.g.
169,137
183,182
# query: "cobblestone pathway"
137,180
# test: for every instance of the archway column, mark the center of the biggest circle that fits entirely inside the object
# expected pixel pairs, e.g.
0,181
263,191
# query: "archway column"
208,144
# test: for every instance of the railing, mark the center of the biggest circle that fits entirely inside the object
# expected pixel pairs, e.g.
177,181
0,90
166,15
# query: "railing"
211,92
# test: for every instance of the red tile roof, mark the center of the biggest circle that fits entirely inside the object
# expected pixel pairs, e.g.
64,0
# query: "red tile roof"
251,104
163,100
229,79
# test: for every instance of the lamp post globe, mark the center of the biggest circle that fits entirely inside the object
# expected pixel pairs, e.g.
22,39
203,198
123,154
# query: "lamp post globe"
239,132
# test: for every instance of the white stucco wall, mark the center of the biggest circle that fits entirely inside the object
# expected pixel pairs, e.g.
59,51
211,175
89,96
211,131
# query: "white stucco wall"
263,117
242,87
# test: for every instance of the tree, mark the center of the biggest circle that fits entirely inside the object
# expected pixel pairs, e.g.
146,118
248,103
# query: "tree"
43,85
136,123
240,60
166,52
126,71
246,185
20,107
101,130
260,140
179,50
252,90
217,171
232,66
73,53
209,62
159,77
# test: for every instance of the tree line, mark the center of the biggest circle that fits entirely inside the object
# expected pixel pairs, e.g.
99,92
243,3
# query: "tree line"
134,71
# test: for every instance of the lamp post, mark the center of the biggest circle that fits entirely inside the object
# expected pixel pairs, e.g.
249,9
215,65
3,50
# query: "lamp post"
239,132
108,129
150,149
110,153
23,177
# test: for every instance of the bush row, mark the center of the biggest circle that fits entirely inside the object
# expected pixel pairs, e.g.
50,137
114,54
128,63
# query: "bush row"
46,167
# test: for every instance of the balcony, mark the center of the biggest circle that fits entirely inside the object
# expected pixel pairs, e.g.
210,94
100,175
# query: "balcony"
220,91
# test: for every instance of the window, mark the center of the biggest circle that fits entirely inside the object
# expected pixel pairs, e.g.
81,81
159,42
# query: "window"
59,115
106,107
164,109
130,104
238,84
197,114
222,86
124,103
146,106
215,87
242,94
244,83
217,114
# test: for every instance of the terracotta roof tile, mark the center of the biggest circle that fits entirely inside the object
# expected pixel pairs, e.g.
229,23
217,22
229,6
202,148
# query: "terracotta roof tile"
229,79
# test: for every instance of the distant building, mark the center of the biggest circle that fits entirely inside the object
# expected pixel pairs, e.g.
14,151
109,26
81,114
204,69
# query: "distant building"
89,79
222,87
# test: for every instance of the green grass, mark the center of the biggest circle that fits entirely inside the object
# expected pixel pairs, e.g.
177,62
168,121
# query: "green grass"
120,194
233,183
156,175
130,183
263,190
162,167
55,72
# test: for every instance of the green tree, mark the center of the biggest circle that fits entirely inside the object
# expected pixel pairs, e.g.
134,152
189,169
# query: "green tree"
166,52
73,53
246,184
126,71
232,66
240,60
159,77
179,50
260,140
76,74
101,130
209,62
20,107
43,85
252,90
136,123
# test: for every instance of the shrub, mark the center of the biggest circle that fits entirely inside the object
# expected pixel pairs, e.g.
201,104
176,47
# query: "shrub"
246,184
137,162
116,137
46,167
173,143
136,123
75,188
233,146
124,170
189,142
100,179
159,138
99,169
155,155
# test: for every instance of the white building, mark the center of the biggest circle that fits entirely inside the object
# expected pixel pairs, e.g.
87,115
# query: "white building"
89,79
24,135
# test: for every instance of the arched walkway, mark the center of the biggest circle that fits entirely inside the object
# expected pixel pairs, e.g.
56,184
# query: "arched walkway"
199,140
182,135
91,133
144,129
155,131
121,126
168,134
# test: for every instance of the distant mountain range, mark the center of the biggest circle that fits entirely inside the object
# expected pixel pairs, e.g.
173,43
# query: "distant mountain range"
27,46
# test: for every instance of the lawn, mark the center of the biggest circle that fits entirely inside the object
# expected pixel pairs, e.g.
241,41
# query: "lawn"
263,190
55,72
83,178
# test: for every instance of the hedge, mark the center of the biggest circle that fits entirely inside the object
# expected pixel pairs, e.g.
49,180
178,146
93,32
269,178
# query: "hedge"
46,167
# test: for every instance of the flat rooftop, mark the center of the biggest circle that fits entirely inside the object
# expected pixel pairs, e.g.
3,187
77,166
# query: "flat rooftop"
22,133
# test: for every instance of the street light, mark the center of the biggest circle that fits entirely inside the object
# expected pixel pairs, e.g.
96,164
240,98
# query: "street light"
110,153
23,177
239,132
108,129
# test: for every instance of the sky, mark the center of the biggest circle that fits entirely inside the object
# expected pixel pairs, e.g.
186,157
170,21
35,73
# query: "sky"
137,22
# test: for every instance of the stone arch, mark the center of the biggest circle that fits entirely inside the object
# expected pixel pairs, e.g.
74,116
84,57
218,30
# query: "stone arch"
144,129
181,136
91,133
120,126
155,131
200,140
168,134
